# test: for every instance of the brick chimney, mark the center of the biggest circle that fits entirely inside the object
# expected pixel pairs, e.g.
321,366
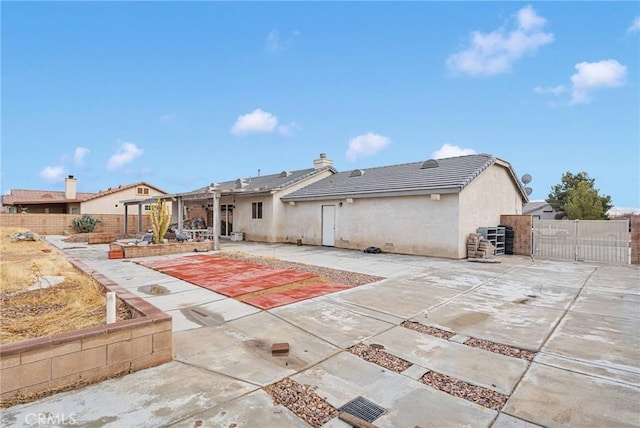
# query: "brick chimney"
70,186
322,162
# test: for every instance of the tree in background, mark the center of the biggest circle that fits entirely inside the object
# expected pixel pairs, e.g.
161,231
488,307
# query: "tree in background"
577,198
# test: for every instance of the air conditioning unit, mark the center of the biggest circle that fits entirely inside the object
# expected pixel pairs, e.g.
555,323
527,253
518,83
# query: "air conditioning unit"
237,236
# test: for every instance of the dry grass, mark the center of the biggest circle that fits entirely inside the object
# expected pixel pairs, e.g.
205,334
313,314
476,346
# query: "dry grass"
77,302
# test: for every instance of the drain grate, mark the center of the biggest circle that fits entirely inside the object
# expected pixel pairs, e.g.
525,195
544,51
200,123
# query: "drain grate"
364,409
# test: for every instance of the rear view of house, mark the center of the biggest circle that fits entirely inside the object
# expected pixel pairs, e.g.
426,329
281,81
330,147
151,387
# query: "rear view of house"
425,208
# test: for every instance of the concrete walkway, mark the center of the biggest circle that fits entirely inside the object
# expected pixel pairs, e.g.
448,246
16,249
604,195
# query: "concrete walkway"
582,319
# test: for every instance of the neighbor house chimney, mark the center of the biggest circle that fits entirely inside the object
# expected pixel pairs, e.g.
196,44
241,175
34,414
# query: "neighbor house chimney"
322,162
70,185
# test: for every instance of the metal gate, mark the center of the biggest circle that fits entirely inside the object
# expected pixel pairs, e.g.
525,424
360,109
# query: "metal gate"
583,240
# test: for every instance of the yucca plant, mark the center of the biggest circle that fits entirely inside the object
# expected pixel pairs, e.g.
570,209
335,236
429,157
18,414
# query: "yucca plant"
159,220
85,224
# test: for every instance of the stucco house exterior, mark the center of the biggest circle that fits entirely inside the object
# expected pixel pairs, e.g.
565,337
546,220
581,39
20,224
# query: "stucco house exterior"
70,201
251,205
423,208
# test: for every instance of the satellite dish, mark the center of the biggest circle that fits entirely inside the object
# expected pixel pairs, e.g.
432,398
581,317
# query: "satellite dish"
528,190
526,179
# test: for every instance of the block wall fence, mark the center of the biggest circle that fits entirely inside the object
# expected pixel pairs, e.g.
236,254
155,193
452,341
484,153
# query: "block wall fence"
60,224
634,223
522,239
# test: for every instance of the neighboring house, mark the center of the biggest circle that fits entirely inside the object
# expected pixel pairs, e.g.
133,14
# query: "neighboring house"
425,208
253,205
540,210
70,201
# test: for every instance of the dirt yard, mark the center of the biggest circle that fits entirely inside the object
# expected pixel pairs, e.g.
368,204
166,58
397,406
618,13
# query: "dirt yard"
41,293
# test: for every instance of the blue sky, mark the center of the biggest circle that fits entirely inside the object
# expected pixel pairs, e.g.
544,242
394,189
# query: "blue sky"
180,94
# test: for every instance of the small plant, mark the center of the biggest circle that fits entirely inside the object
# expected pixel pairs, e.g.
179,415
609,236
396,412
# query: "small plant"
159,220
85,224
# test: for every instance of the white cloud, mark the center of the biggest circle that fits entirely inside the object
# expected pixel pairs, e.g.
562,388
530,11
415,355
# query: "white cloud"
126,153
274,43
635,25
595,75
366,145
52,174
450,151
495,52
554,90
78,156
260,121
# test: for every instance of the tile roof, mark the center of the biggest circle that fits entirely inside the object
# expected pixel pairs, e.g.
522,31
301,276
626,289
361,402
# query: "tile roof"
534,206
24,196
263,183
449,175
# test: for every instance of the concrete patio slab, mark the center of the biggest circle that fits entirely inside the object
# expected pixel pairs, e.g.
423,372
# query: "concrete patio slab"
606,341
628,377
507,421
335,299
184,299
477,366
409,403
610,303
627,279
242,348
214,313
531,292
253,410
153,397
335,324
398,297
565,274
456,279
520,325
553,397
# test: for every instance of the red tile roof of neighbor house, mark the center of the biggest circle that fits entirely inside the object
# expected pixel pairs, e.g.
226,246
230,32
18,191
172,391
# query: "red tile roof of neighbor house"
24,196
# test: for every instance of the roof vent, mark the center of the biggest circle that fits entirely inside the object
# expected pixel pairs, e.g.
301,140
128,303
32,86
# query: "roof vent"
357,173
431,163
284,174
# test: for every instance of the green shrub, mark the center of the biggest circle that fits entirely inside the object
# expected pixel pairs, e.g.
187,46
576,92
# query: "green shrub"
85,224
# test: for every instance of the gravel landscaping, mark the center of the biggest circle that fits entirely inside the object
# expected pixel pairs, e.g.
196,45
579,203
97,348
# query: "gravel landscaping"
334,275
459,388
377,356
499,348
303,401
432,331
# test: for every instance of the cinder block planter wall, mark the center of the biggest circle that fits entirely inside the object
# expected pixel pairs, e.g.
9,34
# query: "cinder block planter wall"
91,354
134,251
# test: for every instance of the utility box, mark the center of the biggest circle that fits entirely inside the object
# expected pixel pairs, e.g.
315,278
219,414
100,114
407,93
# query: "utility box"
237,236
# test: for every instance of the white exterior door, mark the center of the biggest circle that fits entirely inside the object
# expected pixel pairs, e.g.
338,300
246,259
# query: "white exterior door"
329,225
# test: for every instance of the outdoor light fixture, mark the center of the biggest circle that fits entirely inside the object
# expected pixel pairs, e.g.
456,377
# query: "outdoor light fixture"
292,203
435,197
349,200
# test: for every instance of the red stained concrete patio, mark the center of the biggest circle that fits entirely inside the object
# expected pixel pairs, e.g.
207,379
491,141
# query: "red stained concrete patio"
235,278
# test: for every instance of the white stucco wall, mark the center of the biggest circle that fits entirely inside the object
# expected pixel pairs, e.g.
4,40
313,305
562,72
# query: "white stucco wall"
409,224
110,204
482,202
270,227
